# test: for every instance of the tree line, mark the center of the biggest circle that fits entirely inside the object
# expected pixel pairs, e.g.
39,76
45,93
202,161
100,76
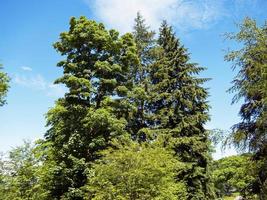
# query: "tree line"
131,125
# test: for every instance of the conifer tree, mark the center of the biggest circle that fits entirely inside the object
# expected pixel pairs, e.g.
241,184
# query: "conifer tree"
145,42
179,110
250,85
95,70
139,96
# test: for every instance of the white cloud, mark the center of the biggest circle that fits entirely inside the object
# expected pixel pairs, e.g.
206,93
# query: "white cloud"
56,90
37,82
34,81
25,68
183,14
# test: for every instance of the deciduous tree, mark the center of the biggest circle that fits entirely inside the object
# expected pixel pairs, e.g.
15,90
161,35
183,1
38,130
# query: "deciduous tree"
136,171
96,73
4,80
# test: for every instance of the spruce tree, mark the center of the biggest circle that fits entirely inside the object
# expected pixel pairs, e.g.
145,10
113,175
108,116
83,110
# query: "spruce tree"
145,42
95,71
179,110
139,95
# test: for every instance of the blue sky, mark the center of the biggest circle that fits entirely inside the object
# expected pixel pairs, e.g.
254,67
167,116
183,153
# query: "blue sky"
28,29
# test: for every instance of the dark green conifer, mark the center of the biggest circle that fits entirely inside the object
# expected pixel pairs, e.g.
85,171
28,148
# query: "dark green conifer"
179,110
140,75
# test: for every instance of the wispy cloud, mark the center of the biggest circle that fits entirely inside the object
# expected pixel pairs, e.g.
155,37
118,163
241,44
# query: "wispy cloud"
34,81
37,82
55,90
183,14
25,68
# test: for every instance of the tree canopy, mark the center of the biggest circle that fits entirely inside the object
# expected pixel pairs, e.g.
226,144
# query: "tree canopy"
132,123
126,86
250,85
233,174
136,172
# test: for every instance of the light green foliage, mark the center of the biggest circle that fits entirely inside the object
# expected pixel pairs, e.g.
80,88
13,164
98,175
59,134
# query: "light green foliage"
135,171
4,80
19,175
233,174
250,85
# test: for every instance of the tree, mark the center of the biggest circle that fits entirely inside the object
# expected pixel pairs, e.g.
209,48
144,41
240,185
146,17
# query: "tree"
250,84
179,110
233,174
171,102
126,86
140,76
4,80
96,66
19,175
136,171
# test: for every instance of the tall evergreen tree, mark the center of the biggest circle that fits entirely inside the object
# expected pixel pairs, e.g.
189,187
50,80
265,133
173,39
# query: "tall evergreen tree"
145,43
179,110
250,84
139,96
95,70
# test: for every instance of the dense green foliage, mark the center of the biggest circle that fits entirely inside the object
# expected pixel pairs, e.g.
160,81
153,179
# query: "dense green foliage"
136,172
95,72
131,124
250,84
4,80
180,111
233,174
139,96
125,85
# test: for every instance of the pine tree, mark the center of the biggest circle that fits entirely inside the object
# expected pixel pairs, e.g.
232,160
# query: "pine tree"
179,110
95,70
